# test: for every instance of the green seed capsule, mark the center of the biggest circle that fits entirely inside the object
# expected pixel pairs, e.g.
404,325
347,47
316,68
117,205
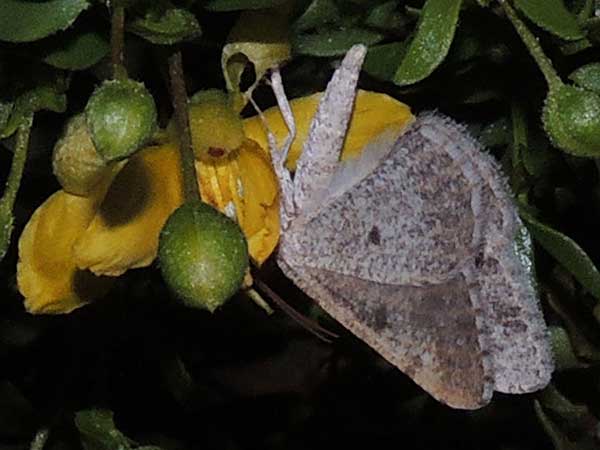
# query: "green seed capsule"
203,255
572,120
121,115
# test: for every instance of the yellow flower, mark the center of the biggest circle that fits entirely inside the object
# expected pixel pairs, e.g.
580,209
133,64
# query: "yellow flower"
73,244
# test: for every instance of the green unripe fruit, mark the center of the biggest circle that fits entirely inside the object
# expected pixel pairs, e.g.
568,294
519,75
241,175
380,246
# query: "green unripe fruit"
121,116
203,255
587,77
572,120
75,161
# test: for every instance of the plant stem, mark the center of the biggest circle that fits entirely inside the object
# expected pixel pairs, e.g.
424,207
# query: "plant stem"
258,300
520,143
180,104
533,46
39,441
13,182
117,39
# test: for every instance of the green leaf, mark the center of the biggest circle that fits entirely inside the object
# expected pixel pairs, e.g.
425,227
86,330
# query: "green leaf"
382,60
165,26
5,112
98,431
431,42
48,94
555,401
587,77
385,16
240,5
566,252
562,349
552,16
75,50
559,440
317,14
333,42
26,21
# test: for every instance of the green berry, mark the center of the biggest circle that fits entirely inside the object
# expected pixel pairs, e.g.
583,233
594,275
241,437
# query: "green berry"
121,116
572,120
203,255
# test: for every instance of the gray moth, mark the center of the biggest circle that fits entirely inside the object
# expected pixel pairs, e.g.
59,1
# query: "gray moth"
413,246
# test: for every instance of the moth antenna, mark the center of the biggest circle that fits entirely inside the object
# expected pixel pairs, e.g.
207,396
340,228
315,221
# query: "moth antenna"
306,323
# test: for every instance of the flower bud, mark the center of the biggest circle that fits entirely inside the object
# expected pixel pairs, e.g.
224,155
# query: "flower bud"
121,115
572,120
75,161
203,255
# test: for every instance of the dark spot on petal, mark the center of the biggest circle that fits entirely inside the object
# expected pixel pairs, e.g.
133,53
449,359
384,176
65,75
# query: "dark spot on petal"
216,152
374,236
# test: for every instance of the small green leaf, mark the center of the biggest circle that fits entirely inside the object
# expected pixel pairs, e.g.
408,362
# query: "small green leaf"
75,51
559,440
562,349
431,42
333,42
587,77
5,112
382,60
571,118
317,14
46,96
26,21
239,5
165,27
566,252
385,16
552,16
98,430
555,401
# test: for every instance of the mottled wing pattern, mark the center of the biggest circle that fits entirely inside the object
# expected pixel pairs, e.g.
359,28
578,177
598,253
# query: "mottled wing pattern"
409,221
500,276
424,245
429,333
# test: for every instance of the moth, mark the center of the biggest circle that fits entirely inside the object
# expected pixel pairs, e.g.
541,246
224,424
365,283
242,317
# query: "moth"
414,247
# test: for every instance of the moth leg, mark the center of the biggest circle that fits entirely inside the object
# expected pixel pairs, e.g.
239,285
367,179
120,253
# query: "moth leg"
320,154
279,155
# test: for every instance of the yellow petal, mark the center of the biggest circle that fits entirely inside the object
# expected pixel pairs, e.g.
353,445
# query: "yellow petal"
244,186
124,232
215,126
373,113
47,275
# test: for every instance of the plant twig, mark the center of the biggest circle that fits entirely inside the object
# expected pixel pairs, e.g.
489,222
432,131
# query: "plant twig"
40,438
117,39
180,105
533,46
13,182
